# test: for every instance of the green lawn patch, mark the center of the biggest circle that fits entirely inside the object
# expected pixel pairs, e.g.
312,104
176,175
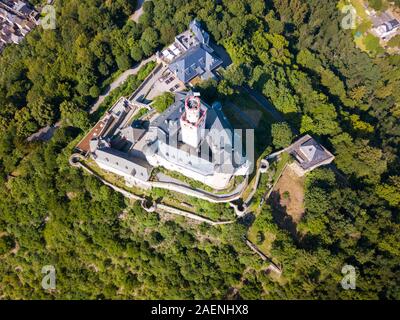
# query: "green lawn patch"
372,44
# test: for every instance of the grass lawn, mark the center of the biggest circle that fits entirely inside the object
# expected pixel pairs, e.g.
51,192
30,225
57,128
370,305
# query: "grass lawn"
372,44
253,231
138,115
281,164
364,27
266,245
358,5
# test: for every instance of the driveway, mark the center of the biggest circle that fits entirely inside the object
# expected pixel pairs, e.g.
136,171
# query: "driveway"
117,82
149,85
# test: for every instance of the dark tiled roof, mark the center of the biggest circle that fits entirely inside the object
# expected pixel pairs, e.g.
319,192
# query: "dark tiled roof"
216,122
123,162
200,34
310,152
195,62
394,23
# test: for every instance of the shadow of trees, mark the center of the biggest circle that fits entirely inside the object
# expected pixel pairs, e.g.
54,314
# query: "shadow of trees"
285,221
280,215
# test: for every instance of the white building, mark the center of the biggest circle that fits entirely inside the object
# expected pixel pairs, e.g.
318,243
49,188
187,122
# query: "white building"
196,140
387,29
190,137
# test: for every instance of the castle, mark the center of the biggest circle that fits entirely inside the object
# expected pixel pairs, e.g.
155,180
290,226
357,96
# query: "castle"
189,137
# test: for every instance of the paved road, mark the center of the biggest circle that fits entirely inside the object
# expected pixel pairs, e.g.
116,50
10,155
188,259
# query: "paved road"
147,86
44,134
138,11
165,178
117,82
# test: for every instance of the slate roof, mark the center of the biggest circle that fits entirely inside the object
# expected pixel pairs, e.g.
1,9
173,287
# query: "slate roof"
390,25
200,34
132,134
167,125
312,151
394,23
197,61
123,162
309,152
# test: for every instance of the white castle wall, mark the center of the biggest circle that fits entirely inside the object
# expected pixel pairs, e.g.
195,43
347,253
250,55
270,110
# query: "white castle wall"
129,179
218,181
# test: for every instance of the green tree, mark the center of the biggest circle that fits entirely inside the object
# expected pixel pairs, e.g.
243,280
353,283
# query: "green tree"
281,135
235,75
390,191
94,91
359,158
163,101
136,52
73,116
6,244
42,112
149,40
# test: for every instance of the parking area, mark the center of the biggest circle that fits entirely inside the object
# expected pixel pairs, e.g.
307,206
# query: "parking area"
168,82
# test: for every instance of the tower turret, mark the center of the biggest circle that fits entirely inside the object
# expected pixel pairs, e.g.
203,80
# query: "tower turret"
193,121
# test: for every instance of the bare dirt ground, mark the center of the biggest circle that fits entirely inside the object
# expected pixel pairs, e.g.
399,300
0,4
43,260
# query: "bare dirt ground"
290,194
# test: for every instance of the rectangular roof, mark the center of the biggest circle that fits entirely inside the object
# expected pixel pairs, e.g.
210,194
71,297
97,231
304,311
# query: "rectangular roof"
124,163
309,152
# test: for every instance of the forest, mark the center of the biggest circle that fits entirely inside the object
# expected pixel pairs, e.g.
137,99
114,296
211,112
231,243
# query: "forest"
103,247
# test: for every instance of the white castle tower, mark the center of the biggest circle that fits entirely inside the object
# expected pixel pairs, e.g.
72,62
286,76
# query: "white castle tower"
193,121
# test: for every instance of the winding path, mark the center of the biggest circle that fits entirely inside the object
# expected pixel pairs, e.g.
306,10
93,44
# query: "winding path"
74,161
258,97
264,102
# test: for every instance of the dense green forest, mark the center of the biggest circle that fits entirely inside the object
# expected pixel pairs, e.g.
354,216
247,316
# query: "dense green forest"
296,54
